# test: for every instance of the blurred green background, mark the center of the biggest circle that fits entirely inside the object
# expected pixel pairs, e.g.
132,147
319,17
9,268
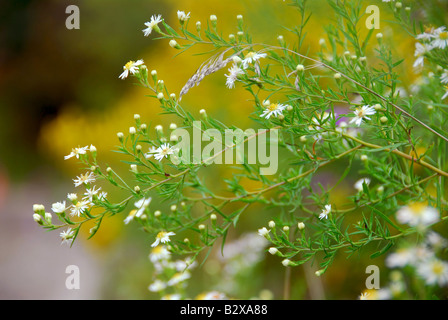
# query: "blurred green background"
60,89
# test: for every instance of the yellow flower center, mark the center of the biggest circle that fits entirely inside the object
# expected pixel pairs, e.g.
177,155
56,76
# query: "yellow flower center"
437,268
417,207
360,112
443,35
250,55
161,234
129,65
273,106
157,250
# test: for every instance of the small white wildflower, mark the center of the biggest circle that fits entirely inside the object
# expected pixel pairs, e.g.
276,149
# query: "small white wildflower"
67,236
178,278
79,208
76,152
420,51
234,72
274,109
132,67
159,253
141,206
434,272
362,113
325,212
162,237
86,178
152,24
182,16
252,57
418,214
163,151
444,77
440,38
90,193
157,286
273,250
58,207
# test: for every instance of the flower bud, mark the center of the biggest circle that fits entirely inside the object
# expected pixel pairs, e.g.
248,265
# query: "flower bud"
157,213
37,218
286,262
48,217
271,224
273,250
301,226
174,44
300,67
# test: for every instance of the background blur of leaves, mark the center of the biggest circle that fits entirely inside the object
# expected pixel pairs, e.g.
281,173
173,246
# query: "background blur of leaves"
59,89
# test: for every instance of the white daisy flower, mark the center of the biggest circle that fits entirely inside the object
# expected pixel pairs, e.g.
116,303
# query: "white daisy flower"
78,208
141,206
435,240
418,214
434,272
362,113
252,57
58,207
440,38
67,236
420,51
132,67
157,286
90,193
151,152
159,253
234,72
401,258
86,178
358,184
76,152
163,151
178,278
102,196
428,34
152,24
162,237
182,16
444,77
325,212
446,92
130,216
275,109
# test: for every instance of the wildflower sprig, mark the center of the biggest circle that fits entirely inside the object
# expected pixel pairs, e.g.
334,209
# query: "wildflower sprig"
341,106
